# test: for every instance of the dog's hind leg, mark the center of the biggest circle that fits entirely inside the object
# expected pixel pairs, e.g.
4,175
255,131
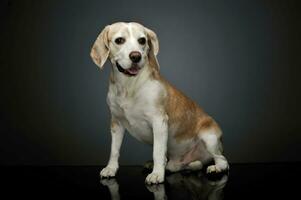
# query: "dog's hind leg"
174,166
213,146
195,165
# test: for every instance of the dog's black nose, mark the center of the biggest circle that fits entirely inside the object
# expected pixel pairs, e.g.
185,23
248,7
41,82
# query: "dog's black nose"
135,56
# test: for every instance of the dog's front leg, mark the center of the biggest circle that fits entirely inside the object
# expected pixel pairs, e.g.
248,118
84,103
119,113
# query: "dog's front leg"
160,136
117,133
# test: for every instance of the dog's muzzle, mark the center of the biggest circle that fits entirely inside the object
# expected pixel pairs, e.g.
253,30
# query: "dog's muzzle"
132,71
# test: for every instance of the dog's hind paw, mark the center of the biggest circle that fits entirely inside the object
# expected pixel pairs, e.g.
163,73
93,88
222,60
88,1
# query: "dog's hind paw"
213,169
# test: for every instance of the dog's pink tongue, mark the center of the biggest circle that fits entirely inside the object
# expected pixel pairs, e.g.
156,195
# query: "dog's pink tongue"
133,70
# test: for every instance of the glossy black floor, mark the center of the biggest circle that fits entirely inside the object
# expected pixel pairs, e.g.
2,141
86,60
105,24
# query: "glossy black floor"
244,181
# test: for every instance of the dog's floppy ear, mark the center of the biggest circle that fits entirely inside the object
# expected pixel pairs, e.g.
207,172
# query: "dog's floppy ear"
153,44
100,50
152,41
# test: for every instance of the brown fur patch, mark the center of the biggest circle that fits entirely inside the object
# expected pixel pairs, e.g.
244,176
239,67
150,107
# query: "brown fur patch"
184,115
187,115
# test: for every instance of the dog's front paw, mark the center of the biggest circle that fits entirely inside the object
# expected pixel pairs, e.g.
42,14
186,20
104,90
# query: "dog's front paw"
154,178
108,172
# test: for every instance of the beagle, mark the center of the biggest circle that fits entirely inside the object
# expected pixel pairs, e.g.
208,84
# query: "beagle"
153,111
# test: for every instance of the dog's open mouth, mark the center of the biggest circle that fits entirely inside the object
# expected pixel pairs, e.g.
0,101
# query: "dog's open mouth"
132,71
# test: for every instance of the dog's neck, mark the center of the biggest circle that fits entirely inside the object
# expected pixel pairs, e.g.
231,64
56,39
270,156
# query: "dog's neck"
129,84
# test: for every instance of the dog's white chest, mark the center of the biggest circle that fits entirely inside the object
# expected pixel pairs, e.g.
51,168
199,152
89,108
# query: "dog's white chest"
134,110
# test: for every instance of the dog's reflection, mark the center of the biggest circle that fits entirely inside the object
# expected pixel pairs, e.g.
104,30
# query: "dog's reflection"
196,186
112,186
180,185
158,191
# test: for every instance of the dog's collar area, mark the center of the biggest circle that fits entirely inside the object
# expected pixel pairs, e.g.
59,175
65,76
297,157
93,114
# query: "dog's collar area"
122,70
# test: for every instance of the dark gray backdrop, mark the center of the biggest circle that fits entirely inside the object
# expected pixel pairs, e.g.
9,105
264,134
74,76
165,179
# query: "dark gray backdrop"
237,59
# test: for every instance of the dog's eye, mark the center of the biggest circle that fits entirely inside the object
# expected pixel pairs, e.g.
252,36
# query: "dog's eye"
142,41
119,40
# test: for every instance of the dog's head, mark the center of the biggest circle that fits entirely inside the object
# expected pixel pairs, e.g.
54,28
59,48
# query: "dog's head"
128,45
